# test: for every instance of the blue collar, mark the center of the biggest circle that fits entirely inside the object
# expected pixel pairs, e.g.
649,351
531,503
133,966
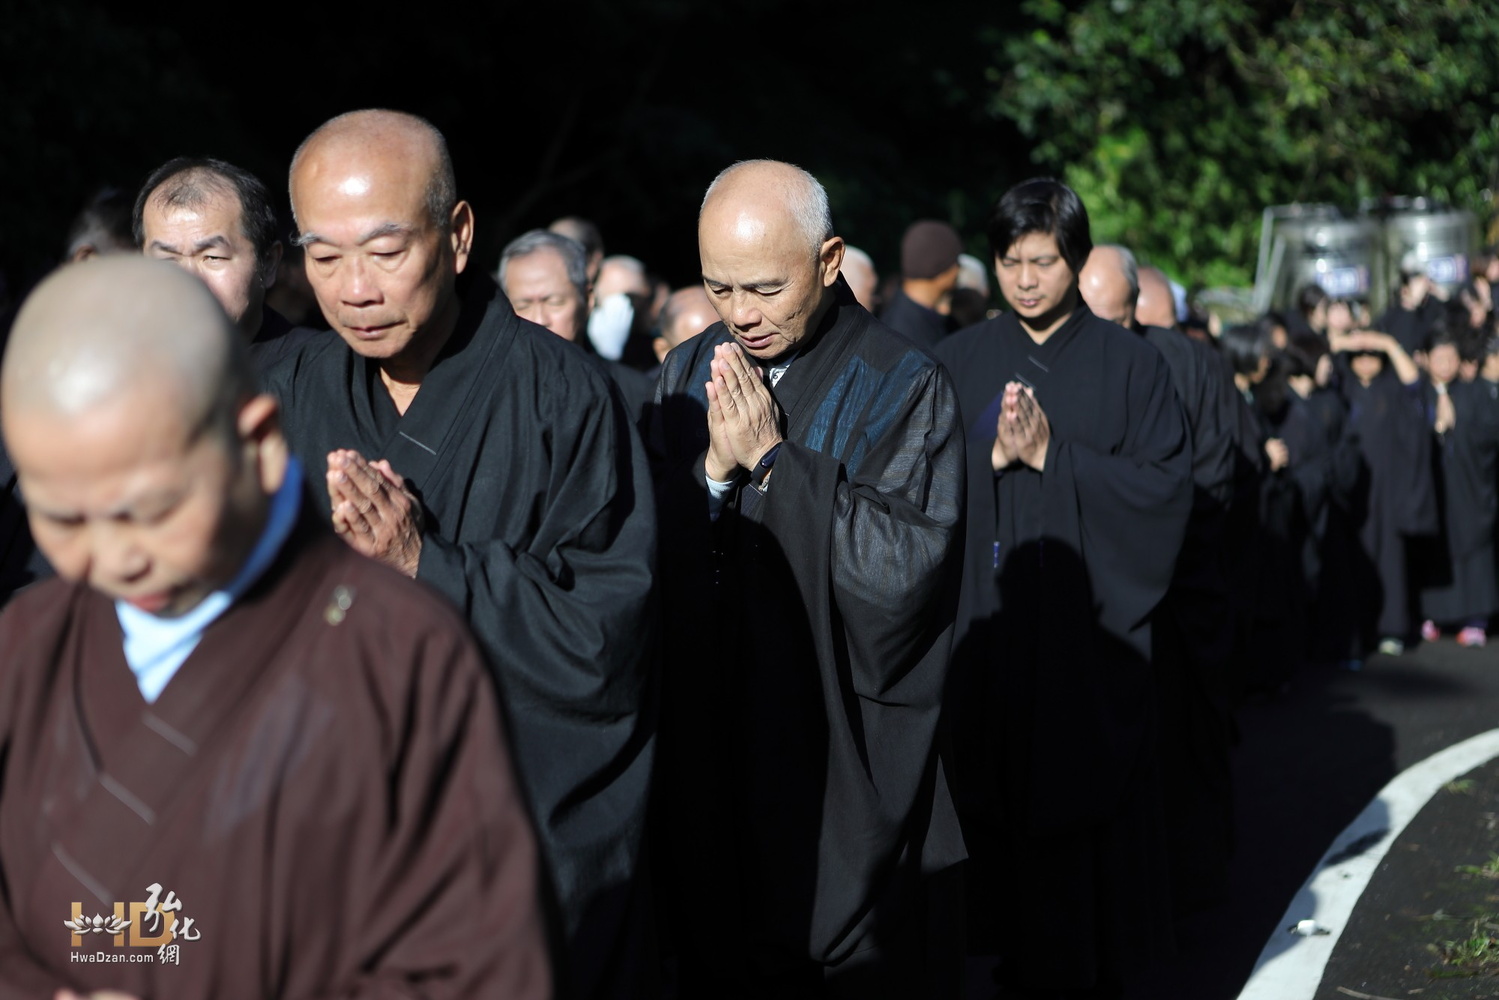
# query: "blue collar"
156,647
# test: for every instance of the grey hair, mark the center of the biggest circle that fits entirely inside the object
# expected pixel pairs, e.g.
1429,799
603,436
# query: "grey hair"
442,186
574,257
808,201
1128,266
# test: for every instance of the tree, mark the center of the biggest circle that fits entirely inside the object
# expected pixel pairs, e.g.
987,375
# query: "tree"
1177,121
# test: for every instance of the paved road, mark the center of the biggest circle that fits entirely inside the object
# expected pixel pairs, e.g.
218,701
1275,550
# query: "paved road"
1305,766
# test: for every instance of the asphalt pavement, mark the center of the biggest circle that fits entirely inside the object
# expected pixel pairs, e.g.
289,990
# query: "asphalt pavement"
1307,764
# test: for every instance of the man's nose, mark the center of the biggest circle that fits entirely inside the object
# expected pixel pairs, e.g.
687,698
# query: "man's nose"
359,287
744,312
115,557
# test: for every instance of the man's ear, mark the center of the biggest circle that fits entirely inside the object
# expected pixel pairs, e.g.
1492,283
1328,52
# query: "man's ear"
272,266
461,230
259,427
830,258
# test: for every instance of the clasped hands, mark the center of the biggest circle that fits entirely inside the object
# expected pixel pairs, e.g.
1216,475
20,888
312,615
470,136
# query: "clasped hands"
374,510
1022,433
744,421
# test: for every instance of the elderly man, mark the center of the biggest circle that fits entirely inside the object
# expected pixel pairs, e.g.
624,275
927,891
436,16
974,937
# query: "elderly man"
687,313
216,221
271,767
545,277
1079,488
489,458
812,470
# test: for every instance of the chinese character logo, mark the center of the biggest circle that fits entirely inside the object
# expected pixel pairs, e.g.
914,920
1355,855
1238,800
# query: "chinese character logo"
156,923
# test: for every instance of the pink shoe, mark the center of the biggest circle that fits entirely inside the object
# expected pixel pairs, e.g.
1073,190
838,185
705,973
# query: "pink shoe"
1473,637
1429,631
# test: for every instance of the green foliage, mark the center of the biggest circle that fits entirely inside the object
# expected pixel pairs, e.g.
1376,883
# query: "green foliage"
1177,121
1475,955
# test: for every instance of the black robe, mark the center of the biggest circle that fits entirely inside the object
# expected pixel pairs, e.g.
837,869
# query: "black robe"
1411,327
1053,696
926,327
1460,588
1192,634
807,833
1399,503
540,528
278,339
323,786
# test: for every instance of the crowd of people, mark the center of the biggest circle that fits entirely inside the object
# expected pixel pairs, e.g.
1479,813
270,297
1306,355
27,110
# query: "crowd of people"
792,633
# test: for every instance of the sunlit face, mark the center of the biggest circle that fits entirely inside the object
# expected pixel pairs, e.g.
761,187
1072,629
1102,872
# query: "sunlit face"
1036,282
209,241
766,284
539,290
124,498
382,270
1443,362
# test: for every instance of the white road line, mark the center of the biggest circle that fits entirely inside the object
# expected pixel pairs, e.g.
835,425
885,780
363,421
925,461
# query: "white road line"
1291,966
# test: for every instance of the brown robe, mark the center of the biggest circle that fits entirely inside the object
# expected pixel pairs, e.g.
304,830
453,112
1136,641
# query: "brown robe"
326,791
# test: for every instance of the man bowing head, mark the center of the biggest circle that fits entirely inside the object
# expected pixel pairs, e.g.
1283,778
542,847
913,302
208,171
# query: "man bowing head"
494,461
236,758
812,470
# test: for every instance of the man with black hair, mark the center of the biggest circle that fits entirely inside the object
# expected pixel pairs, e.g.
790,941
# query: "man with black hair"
216,221
1459,587
1397,501
1414,312
1079,489
102,226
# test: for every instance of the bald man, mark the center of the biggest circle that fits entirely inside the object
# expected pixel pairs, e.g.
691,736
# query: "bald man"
491,459
272,767
1155,305
813,478
687,313
1192,635
858,270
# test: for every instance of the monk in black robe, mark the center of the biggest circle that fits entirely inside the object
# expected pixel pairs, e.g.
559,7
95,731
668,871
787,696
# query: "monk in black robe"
1380,384
237,759
807,840
489,458
1460,592
1192,635
1079,490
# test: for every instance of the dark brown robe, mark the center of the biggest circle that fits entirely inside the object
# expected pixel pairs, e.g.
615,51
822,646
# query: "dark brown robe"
326,791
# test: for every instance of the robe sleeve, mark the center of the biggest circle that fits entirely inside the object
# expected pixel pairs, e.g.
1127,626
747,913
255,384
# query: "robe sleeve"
1131,506
564,611
446,903
896,530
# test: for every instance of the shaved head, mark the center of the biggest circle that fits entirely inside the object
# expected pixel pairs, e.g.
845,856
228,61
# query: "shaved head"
388,134
1109,284
769,255
144,455
373,196
687,313
1156,305
784,186
858,271
126,326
